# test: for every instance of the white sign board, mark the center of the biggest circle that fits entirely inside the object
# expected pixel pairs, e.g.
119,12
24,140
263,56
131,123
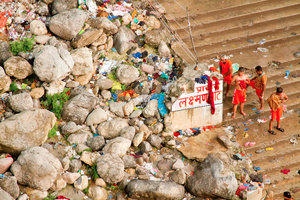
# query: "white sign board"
199,97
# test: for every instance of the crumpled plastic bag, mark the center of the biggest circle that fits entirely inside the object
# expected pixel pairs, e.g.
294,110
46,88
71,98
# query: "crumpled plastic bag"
161,105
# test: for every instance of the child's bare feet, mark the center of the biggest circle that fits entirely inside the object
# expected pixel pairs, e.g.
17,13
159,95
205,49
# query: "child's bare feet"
233,116
244,114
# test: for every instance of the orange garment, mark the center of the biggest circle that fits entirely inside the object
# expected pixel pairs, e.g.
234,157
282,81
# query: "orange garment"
274,101
239,96
258,91
277,114
259,81
226,68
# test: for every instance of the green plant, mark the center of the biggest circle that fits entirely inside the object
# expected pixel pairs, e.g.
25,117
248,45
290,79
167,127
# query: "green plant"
13,87
86,190
94,172
50,197
23,45
52,132
56,102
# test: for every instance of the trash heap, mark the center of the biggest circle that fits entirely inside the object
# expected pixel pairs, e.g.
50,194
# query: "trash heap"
86,90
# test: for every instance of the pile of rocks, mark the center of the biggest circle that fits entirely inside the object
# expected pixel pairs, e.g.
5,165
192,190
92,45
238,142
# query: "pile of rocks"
81,107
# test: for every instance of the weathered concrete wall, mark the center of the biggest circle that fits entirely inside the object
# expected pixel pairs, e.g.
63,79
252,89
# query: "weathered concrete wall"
197,117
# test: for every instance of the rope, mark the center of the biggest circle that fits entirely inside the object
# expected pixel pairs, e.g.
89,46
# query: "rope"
192,39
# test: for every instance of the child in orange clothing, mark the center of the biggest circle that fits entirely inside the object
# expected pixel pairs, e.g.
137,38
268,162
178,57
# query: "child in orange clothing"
240,82
259,83
226,70
276,101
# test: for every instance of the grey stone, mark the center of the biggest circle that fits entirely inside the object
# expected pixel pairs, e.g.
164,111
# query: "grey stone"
42,9
153,38
147,189
165,164
17,67
212,179
52,64
5,81
111,129
37,27
138,138
4,195
96,143
127,74
97,193
145,147
155,141
79,138
118,146
81,183
129,161
150,109
26,129
104,83
70,128
178,176
62,5
104,23
135,113
117,108
67,24
178,164
78,107
110,167
10,185
123,39
157,128
128,132
106,94
75,165
21,102
164,50
37,168
83,61
5,52
97,116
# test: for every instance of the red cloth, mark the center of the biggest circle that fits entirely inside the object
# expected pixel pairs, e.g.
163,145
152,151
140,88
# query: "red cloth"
217,83
239,96
243,84
62,197
258,92
210,98
285,171
277,114
225,68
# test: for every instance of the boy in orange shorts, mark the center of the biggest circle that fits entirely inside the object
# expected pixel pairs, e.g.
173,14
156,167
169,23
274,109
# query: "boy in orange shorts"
226,70
276,101
240,82
259,83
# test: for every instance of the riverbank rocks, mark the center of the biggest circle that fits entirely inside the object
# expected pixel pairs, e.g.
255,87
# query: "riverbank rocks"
83,61
67,24
97,116
117,146
110,167
37,27
17,67
52,64
5,195
26,129
127,74
5,81
21,102
111,129
150,109
147,189
97,193
37,168
104,84
123,39
103,23
5,52
212,179
78,107
86,38
10,185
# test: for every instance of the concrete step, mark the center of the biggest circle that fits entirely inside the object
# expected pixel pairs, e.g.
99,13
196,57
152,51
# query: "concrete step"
245,21
266,30
222,13
216,50
288,185
277,177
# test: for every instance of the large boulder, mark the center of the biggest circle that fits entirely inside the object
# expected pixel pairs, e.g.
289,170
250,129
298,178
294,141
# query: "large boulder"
24,130
78,107
127,74
147,189
111,129
153,37
97,116
83,61
10,185
123,39
17,67
52,64
62,5
150,109
212,179
117,146
110,167
67,24
37,168
86,38
21,102
5,195
104,23
5,81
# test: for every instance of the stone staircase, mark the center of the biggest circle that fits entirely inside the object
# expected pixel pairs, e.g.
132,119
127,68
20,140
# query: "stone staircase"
235,28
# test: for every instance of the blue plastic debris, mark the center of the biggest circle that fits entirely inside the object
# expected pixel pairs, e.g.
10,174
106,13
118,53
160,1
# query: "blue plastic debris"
114,49
160,100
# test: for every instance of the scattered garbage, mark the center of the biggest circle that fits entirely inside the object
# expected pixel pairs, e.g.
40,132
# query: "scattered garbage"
261,49
285,171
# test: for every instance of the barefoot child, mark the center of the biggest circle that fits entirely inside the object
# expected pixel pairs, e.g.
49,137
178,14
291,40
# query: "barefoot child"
276,101
259,83
226,70
240,81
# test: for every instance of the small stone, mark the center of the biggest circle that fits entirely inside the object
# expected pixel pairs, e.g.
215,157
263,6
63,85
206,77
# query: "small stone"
155,140
117,108
163,49
126,19
96,143
79,138
21,102
89,157
10,185
165,164
96,117
5,163
86,38
128,108
104,84
138,138
75,165
128,132
152,22
37,93
136,113
97,193
59,184
37,27
106,94
127,74
72,84
140,161
171,143
145,147
129,161
178,165
150,109
104,23
81,183
100,182
17,67
148,68
101,40
70,178
118,146
178,176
